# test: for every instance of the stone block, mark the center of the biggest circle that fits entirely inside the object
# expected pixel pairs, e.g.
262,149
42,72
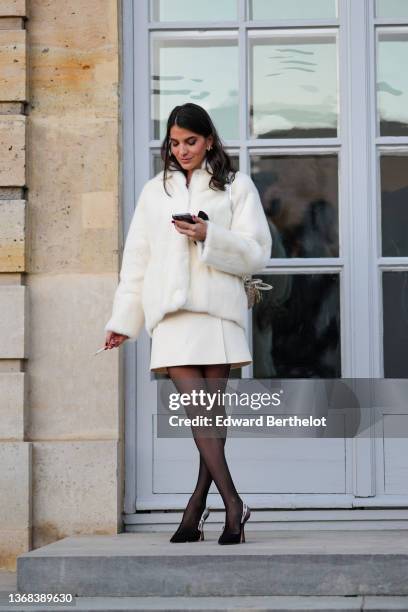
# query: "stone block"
311,563
11,23
75,484
13,308
74,200
73,393
12,235
15,501
13,8
12,150
12,405
13,81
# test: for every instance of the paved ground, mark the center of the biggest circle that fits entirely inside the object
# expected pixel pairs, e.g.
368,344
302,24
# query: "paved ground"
8,580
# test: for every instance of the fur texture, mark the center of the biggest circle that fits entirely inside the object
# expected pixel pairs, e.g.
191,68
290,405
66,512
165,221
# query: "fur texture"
156,276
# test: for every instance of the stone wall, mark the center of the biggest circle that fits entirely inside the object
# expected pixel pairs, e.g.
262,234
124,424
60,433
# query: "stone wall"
61,427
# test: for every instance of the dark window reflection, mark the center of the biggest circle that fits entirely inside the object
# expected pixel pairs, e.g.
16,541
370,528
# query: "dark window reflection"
394,205
395,335
300,198
296,327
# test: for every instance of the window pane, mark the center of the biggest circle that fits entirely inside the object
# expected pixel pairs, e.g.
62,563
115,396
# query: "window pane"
293,86
157,164
392,83
292,9
300,198
392,8
395,334
196,67
296,327
194,10
394,205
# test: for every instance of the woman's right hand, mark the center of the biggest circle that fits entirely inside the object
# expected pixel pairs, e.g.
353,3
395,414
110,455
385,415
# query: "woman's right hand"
114,340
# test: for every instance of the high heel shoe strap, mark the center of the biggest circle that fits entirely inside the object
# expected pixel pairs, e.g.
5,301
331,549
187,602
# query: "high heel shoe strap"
204,516
245,511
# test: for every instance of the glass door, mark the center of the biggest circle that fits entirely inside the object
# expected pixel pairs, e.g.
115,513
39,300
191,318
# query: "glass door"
290,86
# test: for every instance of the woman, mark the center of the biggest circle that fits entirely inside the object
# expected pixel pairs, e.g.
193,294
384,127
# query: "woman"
184,282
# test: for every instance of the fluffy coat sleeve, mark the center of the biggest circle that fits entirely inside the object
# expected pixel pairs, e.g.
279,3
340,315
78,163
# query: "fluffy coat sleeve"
246,247
127,311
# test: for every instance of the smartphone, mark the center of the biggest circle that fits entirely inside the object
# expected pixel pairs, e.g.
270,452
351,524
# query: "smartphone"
183,217
187,216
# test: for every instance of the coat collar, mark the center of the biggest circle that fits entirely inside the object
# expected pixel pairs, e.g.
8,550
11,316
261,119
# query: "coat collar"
199,181
181,195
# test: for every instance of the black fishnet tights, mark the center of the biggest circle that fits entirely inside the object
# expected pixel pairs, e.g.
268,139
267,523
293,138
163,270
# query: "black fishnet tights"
213,464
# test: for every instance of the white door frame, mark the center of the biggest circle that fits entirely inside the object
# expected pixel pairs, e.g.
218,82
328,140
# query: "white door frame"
357,181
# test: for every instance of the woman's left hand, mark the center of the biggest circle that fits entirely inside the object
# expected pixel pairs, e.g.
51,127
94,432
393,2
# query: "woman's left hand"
196,231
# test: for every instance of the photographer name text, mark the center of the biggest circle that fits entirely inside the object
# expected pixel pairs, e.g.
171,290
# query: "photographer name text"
268,420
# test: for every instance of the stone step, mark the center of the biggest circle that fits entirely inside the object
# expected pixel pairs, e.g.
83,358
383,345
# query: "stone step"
225,604
285,563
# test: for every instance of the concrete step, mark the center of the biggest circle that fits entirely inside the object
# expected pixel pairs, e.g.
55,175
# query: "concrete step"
285,563
225,604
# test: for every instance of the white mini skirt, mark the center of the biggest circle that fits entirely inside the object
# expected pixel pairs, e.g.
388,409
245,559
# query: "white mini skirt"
185,337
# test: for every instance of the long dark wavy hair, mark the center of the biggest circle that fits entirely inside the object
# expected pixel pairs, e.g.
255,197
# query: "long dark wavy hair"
194,117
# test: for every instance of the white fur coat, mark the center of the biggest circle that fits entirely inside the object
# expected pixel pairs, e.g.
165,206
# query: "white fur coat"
155,272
